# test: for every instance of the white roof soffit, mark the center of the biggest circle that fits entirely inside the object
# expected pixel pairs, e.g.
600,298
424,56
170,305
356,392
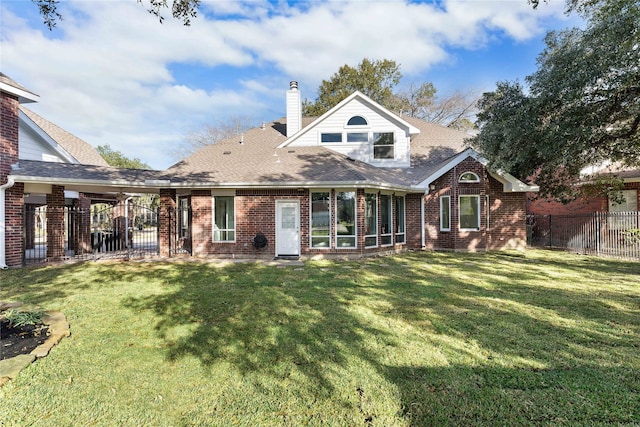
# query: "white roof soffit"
510,183
357,94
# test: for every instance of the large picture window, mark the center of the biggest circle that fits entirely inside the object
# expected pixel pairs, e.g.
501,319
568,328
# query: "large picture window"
371,220
320,220
469,209
400,219
383,143
386,236
224,215
346,219
619,221
445,213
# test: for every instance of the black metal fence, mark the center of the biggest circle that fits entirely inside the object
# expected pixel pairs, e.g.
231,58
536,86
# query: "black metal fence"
611,234
58,234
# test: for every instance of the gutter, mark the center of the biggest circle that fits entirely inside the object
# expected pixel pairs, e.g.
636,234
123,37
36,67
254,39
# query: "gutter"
3,248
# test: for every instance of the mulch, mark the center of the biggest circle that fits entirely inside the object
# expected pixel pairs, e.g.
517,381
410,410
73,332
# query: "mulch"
15,341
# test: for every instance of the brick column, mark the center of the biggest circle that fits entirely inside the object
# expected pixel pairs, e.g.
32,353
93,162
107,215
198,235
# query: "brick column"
167,221
82,235
201,222
55,223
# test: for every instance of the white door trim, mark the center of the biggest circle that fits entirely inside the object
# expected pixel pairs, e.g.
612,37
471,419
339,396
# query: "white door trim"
287,242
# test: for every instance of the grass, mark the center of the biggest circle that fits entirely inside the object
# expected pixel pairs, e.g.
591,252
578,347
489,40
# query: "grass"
419,339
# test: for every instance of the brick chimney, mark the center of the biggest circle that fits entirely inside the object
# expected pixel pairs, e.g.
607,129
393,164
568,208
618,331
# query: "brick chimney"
294,109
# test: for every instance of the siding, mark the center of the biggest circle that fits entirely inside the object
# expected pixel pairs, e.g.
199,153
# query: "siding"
377,122
31,147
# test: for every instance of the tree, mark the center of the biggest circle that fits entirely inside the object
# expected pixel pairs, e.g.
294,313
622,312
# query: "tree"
183,10
582,108
455,111
119,160
376,79
210,134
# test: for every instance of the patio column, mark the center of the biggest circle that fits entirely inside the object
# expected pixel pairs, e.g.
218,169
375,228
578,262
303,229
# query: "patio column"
201,221
55,223
167,221
82,234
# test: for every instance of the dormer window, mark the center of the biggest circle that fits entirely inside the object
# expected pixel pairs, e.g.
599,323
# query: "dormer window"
357,121
383,145
468,177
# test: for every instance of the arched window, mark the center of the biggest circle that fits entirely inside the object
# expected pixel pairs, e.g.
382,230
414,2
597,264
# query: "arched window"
469,177
357,121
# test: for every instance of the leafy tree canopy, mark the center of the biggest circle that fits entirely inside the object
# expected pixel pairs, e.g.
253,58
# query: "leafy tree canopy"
119,160
582,106
376,79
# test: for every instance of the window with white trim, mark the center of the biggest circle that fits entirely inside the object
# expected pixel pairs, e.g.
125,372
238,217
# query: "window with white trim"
331,138
400,219
371,220
469,177
356,137
445,213
346,219
383,145
469,212
618,220
320,220
357,121
386,232
224,219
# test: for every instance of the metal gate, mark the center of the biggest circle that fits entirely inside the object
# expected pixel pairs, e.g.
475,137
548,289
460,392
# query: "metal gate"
104,231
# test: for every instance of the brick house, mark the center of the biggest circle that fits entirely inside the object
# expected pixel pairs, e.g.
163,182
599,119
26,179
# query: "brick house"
358,180
595,203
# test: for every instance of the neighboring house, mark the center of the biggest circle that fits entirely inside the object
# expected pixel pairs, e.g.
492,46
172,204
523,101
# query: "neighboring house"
359,180
596,202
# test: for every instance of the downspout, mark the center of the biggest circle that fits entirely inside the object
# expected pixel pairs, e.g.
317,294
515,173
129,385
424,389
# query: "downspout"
3,247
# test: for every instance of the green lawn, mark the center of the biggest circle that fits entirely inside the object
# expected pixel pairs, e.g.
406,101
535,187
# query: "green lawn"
540,338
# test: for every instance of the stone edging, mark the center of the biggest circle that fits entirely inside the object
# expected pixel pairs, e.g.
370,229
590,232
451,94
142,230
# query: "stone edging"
58,329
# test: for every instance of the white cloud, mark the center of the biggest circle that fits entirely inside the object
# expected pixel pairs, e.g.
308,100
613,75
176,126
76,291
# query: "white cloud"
107,73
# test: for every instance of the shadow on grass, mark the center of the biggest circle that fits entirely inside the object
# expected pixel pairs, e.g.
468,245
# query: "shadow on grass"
509,345
259,318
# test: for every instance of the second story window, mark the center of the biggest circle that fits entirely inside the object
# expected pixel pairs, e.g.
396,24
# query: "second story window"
357,121
383,145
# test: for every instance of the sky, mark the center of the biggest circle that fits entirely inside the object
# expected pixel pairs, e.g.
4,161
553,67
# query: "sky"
112,74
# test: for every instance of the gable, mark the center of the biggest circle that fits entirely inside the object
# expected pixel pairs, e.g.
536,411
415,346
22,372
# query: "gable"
33,146
362,130
39,139
508,181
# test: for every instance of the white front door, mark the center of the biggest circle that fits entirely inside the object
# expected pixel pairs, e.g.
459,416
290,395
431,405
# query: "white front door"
287,228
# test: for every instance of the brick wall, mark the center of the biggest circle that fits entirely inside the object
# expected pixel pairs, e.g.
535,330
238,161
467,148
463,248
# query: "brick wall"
14,200
14,196
505,212
579,206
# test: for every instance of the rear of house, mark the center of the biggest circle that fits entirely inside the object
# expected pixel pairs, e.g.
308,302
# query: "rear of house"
359,180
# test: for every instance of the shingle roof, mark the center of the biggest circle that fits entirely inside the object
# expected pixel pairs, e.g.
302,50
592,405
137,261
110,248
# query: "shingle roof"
82,151
64,173
257,160
4,79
